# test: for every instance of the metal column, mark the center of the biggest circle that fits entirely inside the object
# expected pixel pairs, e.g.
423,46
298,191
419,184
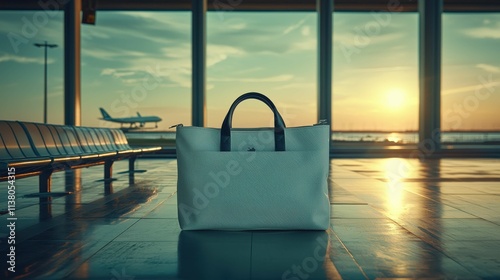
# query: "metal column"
325,42
72,104
430,75
198,47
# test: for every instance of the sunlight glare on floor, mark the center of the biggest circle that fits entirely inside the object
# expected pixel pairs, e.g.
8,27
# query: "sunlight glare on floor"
396,170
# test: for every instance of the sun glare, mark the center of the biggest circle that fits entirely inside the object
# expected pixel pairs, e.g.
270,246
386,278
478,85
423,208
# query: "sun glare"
395,99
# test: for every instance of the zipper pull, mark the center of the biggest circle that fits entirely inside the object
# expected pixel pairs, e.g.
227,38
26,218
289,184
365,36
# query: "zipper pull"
176,125
321,122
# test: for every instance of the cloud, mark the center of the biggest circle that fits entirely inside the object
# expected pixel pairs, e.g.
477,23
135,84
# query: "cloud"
267,34
138,75
124,45
470,89
306,31
182,79
147,31
219,53
298,25
483,32
111,54
132,81
238,26
294,26
94,33
379,69
23,59
123,74
163,19
305,45
118,73
23,24
302,85
277,78
171,67
107,71
363,40
488,68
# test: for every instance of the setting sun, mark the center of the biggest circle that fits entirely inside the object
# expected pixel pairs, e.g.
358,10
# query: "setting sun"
395,99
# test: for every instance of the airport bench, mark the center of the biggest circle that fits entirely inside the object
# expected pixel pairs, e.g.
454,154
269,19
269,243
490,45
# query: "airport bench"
36,149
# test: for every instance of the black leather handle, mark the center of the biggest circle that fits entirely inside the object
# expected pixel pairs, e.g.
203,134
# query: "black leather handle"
279,124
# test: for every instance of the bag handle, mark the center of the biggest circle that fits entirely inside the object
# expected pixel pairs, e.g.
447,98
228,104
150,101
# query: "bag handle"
279,124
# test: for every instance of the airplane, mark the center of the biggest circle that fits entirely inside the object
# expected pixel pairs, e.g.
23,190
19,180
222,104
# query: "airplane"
131,120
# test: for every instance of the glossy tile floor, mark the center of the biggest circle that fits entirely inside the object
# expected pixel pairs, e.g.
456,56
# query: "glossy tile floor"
391,218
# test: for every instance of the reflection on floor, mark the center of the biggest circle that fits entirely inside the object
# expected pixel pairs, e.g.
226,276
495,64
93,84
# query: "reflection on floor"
391,218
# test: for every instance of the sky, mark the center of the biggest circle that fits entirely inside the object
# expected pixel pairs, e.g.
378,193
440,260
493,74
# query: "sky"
141,62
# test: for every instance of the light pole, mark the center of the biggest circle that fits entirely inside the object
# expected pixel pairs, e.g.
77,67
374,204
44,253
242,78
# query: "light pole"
45,45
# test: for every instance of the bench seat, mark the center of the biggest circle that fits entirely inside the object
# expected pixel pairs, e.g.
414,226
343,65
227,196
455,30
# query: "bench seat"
41,149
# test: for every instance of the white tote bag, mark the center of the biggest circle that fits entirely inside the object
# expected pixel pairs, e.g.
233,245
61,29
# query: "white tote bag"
253,179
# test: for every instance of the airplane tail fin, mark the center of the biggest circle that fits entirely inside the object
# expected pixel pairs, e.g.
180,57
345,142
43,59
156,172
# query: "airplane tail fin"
105,114
139,115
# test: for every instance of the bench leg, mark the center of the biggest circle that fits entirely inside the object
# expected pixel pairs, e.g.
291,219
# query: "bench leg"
108,170
131,167
45,181
108,180
131,164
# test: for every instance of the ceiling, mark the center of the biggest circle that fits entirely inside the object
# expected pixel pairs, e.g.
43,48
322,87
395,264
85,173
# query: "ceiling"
264,5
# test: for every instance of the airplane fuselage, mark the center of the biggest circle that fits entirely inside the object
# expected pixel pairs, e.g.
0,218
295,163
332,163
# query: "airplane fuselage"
145,119
141,120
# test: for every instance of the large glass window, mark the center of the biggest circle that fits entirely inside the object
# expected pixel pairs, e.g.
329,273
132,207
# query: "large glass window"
273,53
470,89
138,64
22,65
375,78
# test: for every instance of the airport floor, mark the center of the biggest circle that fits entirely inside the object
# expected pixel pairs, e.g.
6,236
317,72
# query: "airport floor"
391,219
